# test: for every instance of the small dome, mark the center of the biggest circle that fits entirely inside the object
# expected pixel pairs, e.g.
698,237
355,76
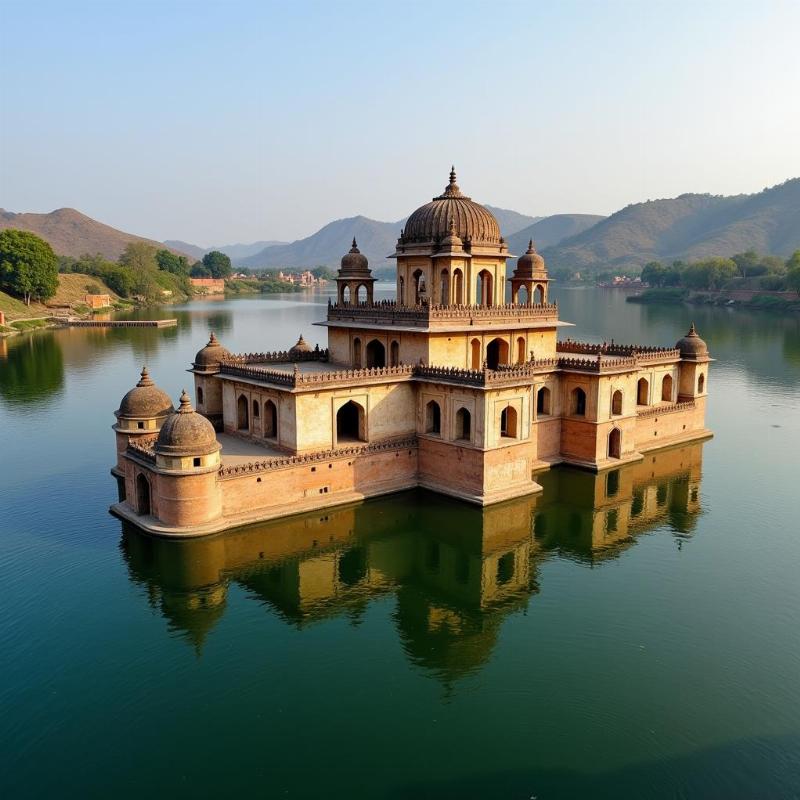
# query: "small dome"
692,346
431,222
186,433
145,400
302,346
354,262
211,354
452,240
529,263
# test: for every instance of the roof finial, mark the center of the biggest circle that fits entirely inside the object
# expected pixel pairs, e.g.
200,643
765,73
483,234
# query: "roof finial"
530,246
186,403
692,330
145,379
452,175
354,248
452,229
212,339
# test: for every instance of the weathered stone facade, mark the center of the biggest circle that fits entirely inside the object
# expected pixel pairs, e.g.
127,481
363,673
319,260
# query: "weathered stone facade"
449,388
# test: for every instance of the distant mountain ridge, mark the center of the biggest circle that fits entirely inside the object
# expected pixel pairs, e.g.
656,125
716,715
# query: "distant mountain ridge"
688,227
234,251
71,233
550,231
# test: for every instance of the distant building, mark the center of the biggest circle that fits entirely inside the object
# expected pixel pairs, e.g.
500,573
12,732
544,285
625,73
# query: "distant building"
95,301
447,387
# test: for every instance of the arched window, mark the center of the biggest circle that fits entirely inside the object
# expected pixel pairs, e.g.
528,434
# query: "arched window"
394,354
616,402
458,282
463,424
476,353
642,392
543,401
142,494
444,288
508,422
521,350
496,353
346,295
539,293
361,293
485,295
417,280
357,353
376,354
522,296
256,409
433,417
350,423
701,384
401,292
199,395
614,443
270,420
242,421
666,388
579,402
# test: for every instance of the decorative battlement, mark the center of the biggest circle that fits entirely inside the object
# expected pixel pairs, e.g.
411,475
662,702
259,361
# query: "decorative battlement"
654,411
277,357
299,380
487,377
312,458
642,352
387,312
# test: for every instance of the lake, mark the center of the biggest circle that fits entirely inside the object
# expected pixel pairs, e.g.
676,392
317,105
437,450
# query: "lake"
629,635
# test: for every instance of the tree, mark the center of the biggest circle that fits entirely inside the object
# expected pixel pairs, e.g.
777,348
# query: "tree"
746,262
218,264
140,259
199,270
793,260
171,262
793,276
653,273
28,265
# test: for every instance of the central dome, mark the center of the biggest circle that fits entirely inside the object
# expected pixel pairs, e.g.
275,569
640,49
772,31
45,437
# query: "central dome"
471,221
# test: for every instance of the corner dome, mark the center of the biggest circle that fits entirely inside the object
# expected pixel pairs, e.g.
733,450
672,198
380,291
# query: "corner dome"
301,346
529,263
211,354
471,220
186,433
692,346
145,400
354,262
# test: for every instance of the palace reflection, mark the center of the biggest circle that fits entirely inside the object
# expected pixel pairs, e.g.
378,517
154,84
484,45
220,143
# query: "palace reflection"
455,570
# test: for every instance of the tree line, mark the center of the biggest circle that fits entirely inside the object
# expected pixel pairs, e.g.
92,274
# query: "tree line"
741,270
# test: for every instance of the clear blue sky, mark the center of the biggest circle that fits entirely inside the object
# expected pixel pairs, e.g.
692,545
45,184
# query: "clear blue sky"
217,122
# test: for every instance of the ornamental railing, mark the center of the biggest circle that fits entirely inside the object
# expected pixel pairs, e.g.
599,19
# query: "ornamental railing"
278,357
281,462
653,411
143,448
297,379
642,352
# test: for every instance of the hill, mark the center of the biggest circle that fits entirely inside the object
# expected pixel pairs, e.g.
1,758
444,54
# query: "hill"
236,251
688,227
511,221
71,233
549,231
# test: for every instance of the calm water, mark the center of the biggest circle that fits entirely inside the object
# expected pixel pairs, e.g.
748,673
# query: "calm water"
629,636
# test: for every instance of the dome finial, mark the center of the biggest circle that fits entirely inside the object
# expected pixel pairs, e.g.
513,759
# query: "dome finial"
692,331
354,248
452,230
186,403
145,379
531,248
452,175
212,339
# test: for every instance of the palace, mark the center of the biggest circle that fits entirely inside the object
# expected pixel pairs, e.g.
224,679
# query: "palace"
449,387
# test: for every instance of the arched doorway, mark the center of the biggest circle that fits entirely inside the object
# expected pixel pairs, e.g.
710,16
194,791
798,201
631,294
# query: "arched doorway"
701,384
496,353
444,288
394,354
458,282
614,443
142,494
642,391
463,424
350,425
242,417
522,296
361,294
433,417
485,288
357,353
616,402
417,280
539,294
376,354
521,350
508,422
256,410
579,402
270,420
666,388
543,401
475,346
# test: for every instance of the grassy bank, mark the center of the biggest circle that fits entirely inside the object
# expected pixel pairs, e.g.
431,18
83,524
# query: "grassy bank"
783,302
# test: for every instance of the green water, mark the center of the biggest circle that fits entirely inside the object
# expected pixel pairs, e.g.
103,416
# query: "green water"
632,635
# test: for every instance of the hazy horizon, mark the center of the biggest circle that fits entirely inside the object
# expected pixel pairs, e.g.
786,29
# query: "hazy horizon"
216,124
